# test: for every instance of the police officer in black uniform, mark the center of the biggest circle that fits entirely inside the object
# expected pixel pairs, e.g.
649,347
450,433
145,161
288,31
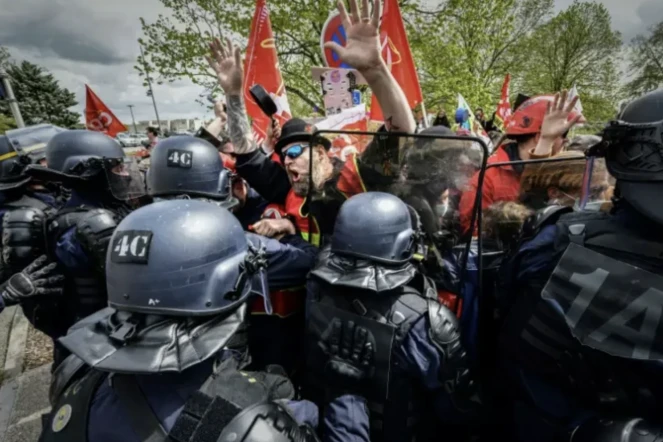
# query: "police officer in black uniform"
165,361
102,183
367,277
582,343
25,204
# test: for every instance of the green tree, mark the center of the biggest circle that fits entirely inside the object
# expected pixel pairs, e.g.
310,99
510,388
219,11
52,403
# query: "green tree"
468,46
4,56
6,123
576,47
174,46
646,62
40,97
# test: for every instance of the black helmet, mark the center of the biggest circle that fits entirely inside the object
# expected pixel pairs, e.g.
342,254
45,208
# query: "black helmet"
186,165
633,146
268,421
75,157
375,226
20,148
179,258
69,151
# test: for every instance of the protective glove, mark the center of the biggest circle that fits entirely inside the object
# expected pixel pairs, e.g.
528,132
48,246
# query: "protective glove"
38,279
351,356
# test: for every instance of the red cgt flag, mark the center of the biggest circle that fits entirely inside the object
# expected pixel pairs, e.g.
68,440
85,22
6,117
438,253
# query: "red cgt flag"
262,67
396,53
98,117
504,108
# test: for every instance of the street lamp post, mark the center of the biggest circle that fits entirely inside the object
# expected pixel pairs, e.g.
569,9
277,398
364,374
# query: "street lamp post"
11,99
133,120
149,84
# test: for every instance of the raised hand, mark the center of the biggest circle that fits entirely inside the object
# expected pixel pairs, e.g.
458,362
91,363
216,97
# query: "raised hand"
362,49
226,61
556,122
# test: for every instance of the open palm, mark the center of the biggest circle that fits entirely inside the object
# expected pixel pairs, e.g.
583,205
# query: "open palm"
226,61
560,117
362,48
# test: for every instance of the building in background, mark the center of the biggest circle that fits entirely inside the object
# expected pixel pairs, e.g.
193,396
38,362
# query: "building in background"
172,126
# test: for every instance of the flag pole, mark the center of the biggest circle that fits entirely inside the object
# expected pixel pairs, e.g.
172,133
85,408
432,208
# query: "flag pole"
11,99
423,111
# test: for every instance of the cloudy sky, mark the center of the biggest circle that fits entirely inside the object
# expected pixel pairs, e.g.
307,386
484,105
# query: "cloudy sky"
94,42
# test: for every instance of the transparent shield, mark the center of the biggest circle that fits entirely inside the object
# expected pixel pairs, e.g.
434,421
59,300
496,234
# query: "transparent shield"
428,172
126,180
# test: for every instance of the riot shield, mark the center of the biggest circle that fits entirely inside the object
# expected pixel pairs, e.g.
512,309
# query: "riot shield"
429,172
31,141
569,181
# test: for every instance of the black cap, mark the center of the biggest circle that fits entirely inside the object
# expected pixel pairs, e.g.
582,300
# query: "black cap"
297,130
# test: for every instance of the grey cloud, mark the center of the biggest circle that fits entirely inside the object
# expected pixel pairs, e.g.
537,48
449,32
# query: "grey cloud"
651,12
72,30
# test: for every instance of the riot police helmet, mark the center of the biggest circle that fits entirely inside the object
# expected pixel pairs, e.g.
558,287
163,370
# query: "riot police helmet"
178,275
633,147
73,152
89,161
20,148
179,258
376,226
186,165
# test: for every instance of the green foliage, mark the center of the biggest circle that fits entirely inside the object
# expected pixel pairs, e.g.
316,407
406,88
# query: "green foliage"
578,46
4,56
6,123
468,46
646,62
174,47
40,97
459,46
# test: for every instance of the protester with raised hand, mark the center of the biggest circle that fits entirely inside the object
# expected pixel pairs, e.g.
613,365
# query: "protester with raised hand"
537,129
362,51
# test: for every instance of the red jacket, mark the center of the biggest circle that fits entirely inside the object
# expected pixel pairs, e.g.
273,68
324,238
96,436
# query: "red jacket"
499,184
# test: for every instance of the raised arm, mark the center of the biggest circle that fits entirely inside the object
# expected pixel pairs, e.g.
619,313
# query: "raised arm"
362,51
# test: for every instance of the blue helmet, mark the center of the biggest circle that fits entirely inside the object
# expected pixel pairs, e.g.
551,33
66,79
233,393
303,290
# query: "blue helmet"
186,165
180,258
376,226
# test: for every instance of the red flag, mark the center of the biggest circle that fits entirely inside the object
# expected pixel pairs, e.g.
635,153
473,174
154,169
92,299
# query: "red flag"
98,117
504,108
262,67
396,53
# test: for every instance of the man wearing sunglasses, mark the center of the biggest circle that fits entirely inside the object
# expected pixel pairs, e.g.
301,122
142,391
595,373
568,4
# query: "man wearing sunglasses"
276,183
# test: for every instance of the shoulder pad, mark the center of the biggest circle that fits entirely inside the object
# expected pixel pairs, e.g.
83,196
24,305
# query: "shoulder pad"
94,232
544,217
454,365
25,215
97,221
444,329
23,236
70,370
